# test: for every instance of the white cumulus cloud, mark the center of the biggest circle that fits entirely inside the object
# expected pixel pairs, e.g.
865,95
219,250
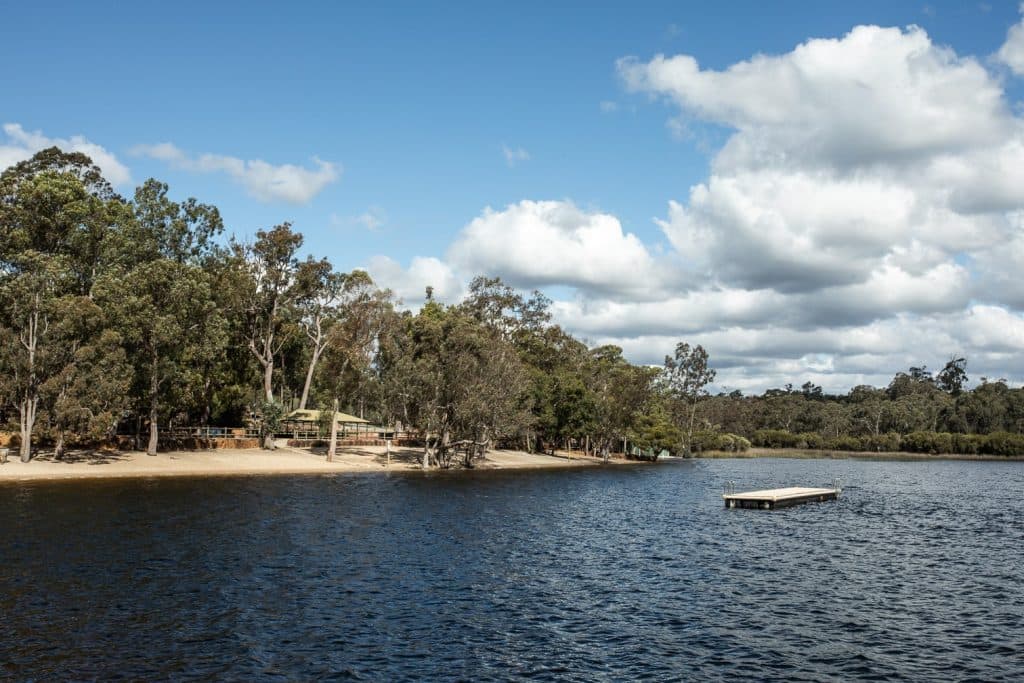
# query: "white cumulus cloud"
866,213
21,144
874,95
410,283
538,243
1011,53
264,181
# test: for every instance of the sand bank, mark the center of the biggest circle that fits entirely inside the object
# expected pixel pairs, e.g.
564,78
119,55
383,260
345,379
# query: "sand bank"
257,462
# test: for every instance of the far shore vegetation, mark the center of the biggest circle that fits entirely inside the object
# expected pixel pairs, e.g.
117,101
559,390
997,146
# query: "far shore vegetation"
125,322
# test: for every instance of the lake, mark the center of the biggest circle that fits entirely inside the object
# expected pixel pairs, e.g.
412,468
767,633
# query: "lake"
615,573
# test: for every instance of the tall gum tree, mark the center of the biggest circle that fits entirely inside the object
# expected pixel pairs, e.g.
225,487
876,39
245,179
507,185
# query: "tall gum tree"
58,218
177,231
457,382
165,313
29,298
58,203
686,376
269,299
320,290
90,393
353,341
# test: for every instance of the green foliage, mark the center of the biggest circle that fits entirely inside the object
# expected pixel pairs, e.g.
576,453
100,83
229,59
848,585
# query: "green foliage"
811,440
271,414
889,442
953,376
655,430
684,379
710,440
116,314
775,438
1003,443
928,442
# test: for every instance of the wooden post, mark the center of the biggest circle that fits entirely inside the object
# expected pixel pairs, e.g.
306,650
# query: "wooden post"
388,442
334,433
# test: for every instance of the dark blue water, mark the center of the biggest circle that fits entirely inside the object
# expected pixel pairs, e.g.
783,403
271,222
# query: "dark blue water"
613,574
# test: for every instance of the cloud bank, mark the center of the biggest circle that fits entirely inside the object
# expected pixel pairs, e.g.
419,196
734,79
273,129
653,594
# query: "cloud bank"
863,215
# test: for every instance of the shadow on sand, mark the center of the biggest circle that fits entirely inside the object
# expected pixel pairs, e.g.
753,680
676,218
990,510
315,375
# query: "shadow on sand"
88,457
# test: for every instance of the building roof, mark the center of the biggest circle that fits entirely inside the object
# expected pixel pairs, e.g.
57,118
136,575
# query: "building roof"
314,416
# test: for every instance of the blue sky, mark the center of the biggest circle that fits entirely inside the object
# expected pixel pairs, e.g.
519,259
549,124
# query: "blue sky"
429,114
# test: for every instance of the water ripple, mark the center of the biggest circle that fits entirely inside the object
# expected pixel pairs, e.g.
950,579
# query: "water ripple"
608,575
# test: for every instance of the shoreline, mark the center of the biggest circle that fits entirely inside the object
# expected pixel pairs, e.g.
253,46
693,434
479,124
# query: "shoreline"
105,465
814,454
257,462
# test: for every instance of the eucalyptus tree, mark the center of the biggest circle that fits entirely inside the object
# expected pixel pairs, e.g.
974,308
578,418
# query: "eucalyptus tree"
165,312
59,204
327,299
91,393
58,219
352,343
953,376
29,297
272,266
685,377
457,382
621,392
178,231
512,316
227,379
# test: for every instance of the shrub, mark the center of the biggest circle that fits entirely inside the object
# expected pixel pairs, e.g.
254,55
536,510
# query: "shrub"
775,438
881,443
928,442
969,444
707,440
844,442
1004,443
739,444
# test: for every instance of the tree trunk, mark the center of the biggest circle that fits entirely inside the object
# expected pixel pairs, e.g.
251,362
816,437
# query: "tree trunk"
689,429
154,407
314,359
28,421
207,400
334,433
268,380
58,449
444,457
30,400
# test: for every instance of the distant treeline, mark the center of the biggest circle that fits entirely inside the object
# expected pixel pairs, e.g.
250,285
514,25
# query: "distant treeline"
129,316
918,412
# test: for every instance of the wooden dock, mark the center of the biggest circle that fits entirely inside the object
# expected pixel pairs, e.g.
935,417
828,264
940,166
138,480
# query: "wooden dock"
770,499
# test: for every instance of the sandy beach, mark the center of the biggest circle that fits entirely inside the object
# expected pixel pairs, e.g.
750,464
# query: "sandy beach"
226,462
